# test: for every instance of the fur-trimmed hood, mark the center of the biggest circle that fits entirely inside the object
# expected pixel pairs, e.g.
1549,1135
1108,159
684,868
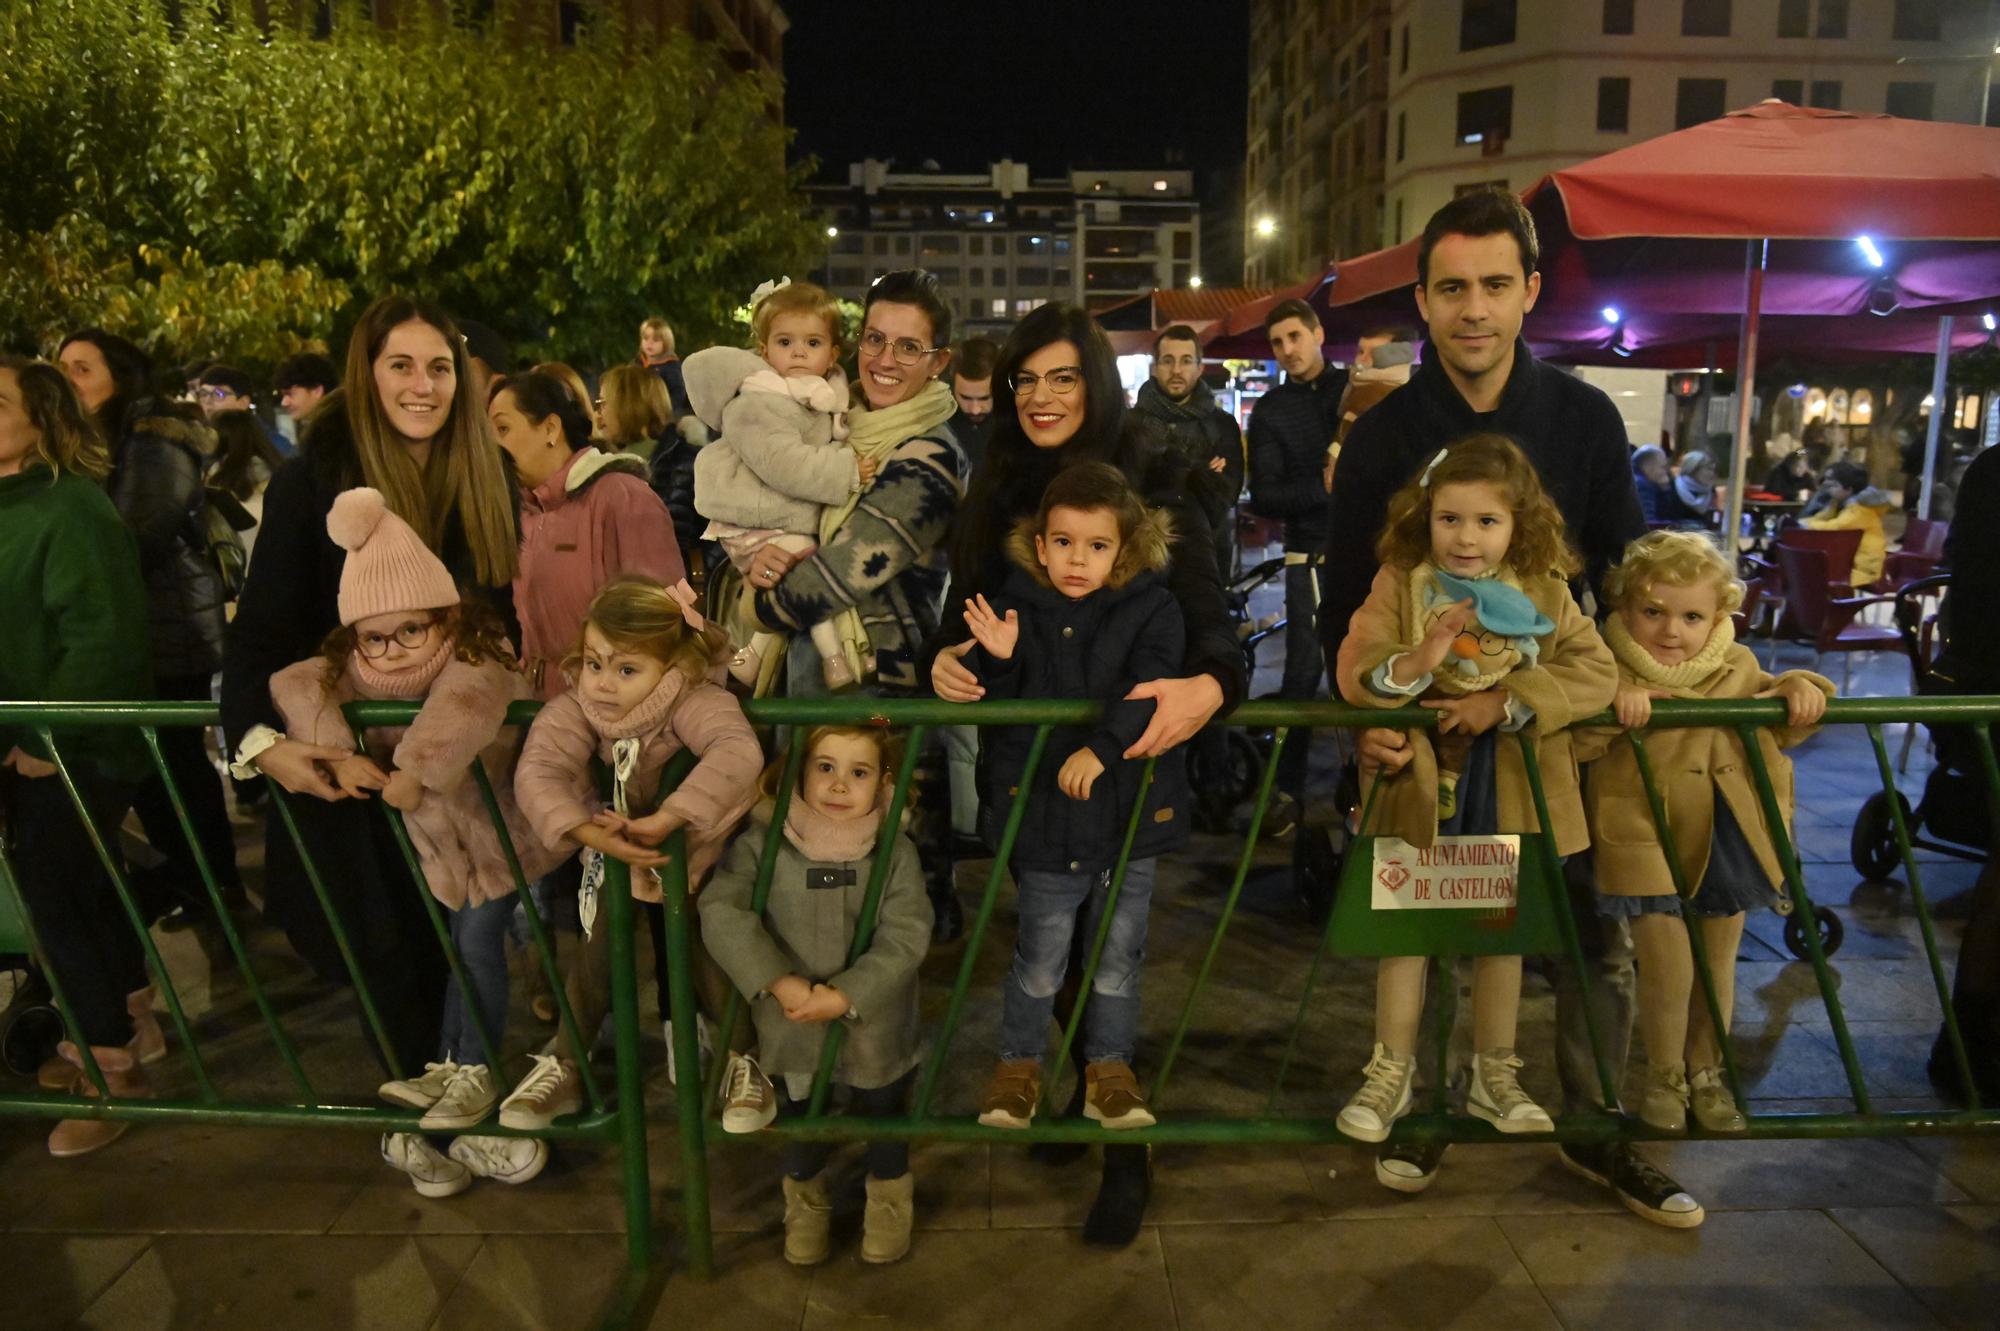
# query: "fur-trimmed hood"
188,431
1149,550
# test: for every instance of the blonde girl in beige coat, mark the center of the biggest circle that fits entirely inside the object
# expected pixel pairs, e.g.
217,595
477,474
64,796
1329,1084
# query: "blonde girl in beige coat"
1471,615
1671,598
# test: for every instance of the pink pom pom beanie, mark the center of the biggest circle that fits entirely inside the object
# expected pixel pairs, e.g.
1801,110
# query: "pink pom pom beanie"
389,569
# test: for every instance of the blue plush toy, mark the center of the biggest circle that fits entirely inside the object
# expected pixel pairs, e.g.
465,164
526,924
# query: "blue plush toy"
1501,609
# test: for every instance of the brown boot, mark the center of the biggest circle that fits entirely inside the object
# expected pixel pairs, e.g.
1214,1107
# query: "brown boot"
808,1221
886,1223
125,1079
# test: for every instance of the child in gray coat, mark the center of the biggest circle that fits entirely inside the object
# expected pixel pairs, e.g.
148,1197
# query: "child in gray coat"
797,963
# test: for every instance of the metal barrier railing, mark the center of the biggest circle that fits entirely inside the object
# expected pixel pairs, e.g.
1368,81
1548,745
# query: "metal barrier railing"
622,1122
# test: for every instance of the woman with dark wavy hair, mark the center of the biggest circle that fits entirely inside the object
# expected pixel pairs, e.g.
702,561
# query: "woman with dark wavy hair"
1069,407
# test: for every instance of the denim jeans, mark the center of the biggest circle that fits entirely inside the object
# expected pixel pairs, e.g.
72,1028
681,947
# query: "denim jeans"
479,933
1048,909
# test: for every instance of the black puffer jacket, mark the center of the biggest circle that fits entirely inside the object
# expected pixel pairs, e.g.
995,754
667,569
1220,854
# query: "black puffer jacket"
156,485
671,475
1197,430
1290,428
1094,648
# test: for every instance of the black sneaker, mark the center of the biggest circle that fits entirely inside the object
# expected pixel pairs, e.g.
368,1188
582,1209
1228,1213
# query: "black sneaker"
947,918
1646,1192
1409,1166
1120,1208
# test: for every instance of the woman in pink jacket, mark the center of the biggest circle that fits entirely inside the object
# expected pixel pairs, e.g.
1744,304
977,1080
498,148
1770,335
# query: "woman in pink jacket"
586,517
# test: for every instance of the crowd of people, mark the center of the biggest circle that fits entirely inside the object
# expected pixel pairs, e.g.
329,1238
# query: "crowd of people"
455,531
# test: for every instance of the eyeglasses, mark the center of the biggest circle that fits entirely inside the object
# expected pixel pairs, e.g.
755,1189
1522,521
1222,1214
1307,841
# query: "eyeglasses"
907,350
1062,381
410,636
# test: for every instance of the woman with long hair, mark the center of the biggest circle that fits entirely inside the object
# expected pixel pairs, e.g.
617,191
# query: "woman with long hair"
69,577
244,462
406,421
159,453
638,418
1069,407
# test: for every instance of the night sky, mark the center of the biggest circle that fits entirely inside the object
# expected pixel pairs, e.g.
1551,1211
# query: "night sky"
1055,84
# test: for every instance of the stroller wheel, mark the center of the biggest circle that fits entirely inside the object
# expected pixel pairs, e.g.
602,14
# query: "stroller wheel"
1873,845
1224,774
1831,932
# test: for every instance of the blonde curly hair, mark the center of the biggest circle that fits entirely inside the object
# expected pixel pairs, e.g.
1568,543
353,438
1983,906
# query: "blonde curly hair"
1678,559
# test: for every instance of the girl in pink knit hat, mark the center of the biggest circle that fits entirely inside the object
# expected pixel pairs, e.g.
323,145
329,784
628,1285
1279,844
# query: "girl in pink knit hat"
405,636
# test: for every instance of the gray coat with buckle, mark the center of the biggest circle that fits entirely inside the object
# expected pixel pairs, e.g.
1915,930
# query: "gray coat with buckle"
807,929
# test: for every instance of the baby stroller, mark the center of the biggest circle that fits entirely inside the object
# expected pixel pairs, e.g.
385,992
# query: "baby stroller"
1954,810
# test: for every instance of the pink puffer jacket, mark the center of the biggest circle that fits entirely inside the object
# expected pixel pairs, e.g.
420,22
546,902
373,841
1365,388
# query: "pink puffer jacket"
461,720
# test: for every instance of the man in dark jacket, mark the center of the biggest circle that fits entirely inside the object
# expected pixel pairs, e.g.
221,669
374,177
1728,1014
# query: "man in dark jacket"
1291,428
1476,281
972,362
1179,407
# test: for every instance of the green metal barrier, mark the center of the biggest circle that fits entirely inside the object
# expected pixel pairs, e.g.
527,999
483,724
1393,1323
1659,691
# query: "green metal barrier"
621,1122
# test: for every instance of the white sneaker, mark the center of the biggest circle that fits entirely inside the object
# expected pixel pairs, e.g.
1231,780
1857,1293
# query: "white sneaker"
419,1092
1497,1097
431,1174
503,1159
704,1040
468,1098
550,1090
1383,1098
749,1100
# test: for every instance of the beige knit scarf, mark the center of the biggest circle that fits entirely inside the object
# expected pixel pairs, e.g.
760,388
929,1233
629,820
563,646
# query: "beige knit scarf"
1689,675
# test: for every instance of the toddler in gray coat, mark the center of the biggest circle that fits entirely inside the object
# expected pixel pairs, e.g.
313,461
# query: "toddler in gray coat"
804,964
782,458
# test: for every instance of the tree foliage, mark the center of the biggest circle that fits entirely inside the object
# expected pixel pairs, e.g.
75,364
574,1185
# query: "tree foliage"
216,188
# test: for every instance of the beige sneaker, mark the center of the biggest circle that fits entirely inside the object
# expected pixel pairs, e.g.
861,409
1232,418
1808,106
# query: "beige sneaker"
1497,1097
1111,1096
420,1092
1714,1107
1383,1098
1666,1104
749,1101
550,1090
885,1224
808,1221
1012,1095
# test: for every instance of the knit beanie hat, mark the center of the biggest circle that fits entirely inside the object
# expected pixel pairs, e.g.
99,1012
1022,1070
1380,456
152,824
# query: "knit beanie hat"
388,568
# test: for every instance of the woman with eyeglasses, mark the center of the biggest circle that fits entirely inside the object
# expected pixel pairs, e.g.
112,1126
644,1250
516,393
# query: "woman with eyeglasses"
1069,407
406,421
160,452
887,561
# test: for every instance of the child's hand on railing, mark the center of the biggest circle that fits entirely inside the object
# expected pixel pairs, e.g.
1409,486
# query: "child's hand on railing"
998,636
605,841
356,774
403,791
1805,704
28,765
1383,752
1079,774
1634,706
1474,713
823,1003
651,830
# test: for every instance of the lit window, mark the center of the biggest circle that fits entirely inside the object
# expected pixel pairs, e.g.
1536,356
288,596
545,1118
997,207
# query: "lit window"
1000,309
1159,184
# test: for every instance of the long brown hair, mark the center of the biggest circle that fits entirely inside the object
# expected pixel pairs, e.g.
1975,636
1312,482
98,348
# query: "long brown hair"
1539,545
473,631
240,442
69,439
464,475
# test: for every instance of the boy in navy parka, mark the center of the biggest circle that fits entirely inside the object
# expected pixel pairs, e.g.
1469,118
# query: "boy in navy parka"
1086,614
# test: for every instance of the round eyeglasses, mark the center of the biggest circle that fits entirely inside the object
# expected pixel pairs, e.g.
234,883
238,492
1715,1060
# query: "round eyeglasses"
409,636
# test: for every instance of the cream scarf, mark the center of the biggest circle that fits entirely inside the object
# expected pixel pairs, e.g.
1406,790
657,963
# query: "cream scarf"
1689,675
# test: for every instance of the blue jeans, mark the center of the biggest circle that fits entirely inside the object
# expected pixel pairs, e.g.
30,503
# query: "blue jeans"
1049,903
479,933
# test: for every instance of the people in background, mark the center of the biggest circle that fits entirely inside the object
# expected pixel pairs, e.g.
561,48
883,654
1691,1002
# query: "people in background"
972,388
1853,504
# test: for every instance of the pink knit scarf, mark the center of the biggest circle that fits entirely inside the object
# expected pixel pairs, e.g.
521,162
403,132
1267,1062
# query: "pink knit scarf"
411,681
647,715
831,840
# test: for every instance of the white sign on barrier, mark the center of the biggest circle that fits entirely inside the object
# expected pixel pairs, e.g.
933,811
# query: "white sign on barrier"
1452,873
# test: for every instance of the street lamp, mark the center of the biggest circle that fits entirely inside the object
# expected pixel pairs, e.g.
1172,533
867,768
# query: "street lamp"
832,231
1267,226
1194,284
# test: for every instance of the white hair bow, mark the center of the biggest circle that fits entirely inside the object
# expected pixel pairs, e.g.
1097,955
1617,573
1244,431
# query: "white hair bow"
758,296
1424,481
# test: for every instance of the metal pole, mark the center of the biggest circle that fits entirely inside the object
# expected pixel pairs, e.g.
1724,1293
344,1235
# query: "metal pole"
1755,252
1932,431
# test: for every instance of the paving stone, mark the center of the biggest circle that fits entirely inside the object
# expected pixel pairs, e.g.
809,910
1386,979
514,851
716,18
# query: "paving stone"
1785,1175
542,1282
46,1280
1474,1180
1948,1256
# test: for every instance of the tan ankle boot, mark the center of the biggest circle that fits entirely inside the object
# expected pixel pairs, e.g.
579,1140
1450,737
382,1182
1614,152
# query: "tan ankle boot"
808,1221
125,1079
886,1223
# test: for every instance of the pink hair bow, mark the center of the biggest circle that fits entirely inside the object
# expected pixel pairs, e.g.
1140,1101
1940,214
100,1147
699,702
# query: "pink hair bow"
688,600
